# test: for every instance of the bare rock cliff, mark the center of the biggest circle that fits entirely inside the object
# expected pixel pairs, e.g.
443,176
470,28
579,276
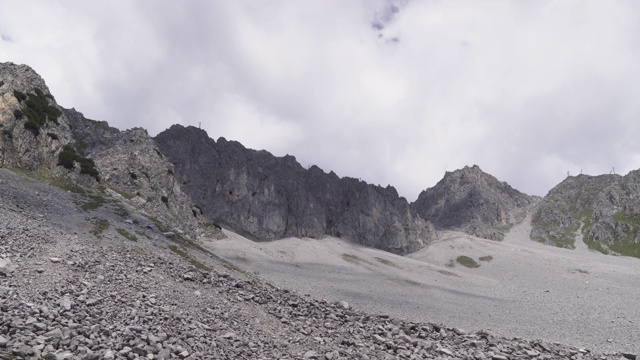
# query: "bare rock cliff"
38,135
267,197
133,168
604,210
32,130
473,201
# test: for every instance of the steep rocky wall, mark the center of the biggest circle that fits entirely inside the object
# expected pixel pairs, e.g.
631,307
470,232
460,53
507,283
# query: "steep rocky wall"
268,197
473,201
132,166
19,146
34,130
605,209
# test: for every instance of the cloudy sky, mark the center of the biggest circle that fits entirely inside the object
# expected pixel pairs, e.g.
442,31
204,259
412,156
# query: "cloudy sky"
389,91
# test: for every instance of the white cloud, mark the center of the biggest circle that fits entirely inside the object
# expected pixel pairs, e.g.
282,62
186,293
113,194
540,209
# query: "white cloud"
526,89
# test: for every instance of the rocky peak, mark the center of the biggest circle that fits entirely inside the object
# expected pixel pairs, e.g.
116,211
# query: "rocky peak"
267,197
472,201
38,135
32,128
603,210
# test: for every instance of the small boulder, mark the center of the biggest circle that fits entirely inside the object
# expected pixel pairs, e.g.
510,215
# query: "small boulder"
343,304
55,334
65,303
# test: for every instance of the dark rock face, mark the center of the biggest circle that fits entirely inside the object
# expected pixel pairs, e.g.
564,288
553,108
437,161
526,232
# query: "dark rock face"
268,197
604,210
21,147
128,162
472,201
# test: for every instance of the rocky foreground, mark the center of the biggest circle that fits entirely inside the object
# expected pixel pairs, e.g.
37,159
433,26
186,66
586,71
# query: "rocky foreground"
84,279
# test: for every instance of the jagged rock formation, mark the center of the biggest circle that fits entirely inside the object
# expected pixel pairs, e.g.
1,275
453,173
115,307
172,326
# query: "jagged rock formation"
605,208
133,167
473,201
268,197
35,131
19,146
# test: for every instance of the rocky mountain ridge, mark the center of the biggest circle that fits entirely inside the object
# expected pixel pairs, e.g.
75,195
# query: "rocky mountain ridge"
604,210
64,147
91,271
267,197
474,202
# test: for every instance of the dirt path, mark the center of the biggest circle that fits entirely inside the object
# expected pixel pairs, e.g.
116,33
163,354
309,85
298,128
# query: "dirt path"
580,244
521,232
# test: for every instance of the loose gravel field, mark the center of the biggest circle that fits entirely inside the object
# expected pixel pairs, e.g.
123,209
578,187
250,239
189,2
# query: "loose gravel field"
83,277
520,288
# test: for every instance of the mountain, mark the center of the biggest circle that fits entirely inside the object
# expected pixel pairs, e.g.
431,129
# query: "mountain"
473,201
70,291
267,197
602,210
100,258
64,147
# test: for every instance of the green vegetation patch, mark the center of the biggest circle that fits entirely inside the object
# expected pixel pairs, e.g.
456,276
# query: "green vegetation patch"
143,234
100,225
625,245
626,249
594,245
127,235
565,239
36,109
412,282
94,203
581,271
386,262
467,262
122,193
189,258
448,273
354,259
121,211
487,258
68,157
20,95
185,243
64,183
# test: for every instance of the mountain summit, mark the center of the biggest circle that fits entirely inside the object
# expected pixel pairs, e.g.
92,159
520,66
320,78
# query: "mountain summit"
61,145
267,197
603,211
473,201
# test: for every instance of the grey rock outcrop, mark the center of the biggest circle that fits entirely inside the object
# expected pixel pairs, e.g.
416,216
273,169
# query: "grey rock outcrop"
35,130
473,201
19,146
133,167
267,197
604,210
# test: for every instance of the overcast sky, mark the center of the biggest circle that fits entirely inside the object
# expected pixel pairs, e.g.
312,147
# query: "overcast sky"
392,92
